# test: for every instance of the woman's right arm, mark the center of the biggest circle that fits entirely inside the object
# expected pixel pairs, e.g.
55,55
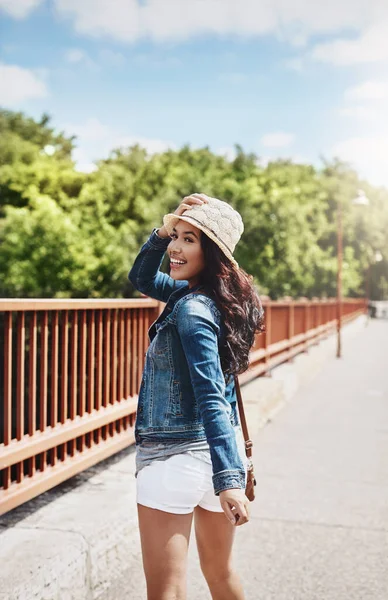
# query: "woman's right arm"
145,274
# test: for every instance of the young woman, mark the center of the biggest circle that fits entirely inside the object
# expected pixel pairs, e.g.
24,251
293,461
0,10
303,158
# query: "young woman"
190,453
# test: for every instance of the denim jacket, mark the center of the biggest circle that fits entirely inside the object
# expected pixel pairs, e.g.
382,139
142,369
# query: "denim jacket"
184,395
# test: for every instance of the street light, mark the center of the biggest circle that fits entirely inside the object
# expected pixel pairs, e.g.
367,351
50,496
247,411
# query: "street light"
361,200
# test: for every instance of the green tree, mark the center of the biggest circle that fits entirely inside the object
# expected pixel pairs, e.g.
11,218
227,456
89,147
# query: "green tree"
69,234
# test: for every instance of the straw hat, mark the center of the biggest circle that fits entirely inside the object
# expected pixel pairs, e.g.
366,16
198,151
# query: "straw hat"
221,223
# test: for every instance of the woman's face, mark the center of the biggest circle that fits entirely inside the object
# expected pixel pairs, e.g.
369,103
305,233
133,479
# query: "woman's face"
185,246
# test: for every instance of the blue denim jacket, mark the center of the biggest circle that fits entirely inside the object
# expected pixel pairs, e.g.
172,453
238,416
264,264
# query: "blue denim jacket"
184,394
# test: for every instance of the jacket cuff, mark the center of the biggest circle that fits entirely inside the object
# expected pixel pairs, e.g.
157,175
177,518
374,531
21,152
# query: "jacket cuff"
158,242
227,480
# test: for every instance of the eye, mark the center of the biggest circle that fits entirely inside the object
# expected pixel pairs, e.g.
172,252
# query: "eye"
174,235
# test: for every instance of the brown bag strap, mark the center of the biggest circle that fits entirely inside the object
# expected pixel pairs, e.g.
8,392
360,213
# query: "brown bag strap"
248,442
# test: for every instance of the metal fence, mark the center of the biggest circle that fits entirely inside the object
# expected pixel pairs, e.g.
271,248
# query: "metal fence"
70,371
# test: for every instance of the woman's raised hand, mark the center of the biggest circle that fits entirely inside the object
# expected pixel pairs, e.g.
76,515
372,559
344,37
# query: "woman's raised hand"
190,201
235,505
187,202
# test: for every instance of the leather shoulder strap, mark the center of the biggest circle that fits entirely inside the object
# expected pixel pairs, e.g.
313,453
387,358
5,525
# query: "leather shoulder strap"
248,442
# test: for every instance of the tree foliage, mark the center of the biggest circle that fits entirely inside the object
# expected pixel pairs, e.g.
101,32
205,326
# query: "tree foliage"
69,234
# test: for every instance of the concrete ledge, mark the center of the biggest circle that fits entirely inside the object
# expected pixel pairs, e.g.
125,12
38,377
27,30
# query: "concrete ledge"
37,563
67,543
74,541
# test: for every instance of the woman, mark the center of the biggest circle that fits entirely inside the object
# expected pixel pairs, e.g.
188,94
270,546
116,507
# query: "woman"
190,454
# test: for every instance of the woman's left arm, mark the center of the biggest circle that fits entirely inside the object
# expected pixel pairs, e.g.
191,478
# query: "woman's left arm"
198,332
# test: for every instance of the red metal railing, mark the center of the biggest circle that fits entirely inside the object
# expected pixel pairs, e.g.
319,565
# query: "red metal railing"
71,369
292,326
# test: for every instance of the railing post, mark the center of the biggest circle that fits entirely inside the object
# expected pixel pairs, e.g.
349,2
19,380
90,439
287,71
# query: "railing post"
267,336
319,319
7,433
306,324
291,325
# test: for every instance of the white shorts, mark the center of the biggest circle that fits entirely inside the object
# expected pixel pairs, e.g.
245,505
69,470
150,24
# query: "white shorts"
177,485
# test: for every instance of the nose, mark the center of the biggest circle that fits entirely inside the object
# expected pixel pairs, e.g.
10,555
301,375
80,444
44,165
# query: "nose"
174,248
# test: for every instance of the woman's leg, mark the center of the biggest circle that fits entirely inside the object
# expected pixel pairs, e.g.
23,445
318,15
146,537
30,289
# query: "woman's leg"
215,535
164,542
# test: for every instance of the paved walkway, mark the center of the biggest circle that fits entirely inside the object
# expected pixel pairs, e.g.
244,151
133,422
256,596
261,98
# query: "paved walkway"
319,526
320,522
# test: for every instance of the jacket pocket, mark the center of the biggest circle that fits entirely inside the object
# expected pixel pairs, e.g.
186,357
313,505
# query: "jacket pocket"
161,342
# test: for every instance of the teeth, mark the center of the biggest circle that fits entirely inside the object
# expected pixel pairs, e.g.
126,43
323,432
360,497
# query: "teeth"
177,262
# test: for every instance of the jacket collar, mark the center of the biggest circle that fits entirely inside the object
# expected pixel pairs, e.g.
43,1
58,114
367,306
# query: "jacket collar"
180,292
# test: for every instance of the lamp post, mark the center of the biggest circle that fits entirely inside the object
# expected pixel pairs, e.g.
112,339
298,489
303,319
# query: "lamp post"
360,200
339,276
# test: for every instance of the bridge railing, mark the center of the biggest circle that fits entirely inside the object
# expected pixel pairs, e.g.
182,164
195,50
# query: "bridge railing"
70,371
292,326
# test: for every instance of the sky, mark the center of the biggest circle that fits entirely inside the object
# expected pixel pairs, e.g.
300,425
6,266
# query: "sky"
295,79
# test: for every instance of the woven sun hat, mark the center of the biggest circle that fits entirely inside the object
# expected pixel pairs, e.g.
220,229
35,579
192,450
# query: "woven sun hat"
217,219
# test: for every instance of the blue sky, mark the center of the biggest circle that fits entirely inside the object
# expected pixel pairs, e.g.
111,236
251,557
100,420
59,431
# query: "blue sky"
283,79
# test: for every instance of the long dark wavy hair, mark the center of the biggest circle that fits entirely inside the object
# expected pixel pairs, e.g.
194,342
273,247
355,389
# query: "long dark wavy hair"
239,303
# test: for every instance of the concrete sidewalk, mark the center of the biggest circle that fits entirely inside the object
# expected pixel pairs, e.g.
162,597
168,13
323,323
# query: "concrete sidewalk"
319,528
319,523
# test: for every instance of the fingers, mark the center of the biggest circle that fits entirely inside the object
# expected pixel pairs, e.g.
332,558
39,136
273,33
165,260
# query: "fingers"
240,520
190,201
237,514
228,512
242,515
196,199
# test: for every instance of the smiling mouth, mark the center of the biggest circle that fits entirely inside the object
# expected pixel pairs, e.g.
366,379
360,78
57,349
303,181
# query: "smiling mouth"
176,265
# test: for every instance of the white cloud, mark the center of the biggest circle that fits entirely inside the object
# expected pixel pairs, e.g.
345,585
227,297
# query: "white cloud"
105,57
90,131
96,140
368,154
153,146
75,55
278,139
18,84
78,56
118,19
294,64
83,161
367,95
112,58
368,47
19,8
159,20
228,151
369,90
151,60
362,113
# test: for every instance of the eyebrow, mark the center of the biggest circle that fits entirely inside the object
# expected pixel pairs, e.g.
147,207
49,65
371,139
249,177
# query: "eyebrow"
192,232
